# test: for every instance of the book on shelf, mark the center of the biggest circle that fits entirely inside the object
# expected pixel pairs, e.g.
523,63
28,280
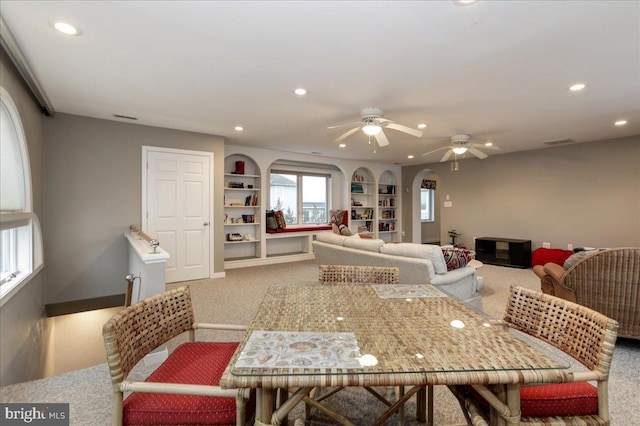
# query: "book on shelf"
357,188
251,200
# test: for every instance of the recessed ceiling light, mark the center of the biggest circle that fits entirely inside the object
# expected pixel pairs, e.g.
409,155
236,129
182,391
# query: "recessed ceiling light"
239,128
488,144
300,91
409,156
464,2
342,145
66,28
421,126
620,122
577,87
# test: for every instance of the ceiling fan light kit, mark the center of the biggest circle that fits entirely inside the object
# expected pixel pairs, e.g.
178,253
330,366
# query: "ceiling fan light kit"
372,124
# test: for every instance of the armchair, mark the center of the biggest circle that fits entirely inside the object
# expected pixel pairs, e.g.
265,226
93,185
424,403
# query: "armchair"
607,281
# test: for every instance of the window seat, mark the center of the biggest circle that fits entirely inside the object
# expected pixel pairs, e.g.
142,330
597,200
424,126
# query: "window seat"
301,228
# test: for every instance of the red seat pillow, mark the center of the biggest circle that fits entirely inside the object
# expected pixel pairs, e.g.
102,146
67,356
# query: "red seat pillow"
555,400
198,363
542,256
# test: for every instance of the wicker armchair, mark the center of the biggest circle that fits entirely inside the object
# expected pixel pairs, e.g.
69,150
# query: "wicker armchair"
583,333
184,388
607,281
349,274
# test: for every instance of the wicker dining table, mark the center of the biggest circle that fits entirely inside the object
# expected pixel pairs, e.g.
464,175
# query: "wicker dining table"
413,340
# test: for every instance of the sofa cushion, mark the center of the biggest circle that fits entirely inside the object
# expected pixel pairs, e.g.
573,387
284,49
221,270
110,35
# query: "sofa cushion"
420,251
364,244
457,257
326,237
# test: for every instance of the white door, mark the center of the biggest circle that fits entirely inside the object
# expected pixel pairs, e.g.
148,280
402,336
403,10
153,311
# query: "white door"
178,209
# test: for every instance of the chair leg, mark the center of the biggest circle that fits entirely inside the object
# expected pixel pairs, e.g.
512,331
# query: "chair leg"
117,408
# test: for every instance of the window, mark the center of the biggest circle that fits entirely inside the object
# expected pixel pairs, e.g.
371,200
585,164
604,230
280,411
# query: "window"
20,238
301,196
426,205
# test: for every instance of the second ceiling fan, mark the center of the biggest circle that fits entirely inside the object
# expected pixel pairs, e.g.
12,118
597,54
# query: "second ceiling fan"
372,124
460,144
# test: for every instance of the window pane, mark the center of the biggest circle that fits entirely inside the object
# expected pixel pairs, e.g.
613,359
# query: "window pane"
284,195
11,177
314,199
426,204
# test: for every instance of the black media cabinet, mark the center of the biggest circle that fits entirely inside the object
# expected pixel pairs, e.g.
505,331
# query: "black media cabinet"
504,251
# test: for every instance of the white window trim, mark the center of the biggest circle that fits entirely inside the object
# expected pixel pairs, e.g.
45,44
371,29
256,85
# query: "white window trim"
26,220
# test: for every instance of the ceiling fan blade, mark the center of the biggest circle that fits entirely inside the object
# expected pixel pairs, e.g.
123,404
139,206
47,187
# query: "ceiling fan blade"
481,155
342,125
401,128
435,150
347,134
483,146
446,156
382,139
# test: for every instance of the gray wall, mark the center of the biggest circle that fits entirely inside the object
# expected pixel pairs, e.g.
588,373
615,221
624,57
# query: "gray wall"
585,194
24,330
93,194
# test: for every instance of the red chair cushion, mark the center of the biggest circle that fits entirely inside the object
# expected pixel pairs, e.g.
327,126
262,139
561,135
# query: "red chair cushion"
557,400
198,363
566,399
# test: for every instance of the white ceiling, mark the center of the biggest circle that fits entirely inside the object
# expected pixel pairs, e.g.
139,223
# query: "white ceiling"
497,70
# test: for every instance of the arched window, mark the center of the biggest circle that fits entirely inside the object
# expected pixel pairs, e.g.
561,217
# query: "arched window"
20,237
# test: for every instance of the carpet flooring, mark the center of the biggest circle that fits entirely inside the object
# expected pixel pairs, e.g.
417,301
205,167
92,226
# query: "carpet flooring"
235,298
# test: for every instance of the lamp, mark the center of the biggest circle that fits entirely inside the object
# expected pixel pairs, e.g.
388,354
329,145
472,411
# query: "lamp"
460,150
371,128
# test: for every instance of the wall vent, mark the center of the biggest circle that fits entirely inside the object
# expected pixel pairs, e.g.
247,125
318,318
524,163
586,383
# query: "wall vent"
126,117
559,142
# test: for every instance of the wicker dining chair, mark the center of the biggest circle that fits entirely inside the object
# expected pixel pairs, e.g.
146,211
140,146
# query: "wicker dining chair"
586,335
350,274
184,388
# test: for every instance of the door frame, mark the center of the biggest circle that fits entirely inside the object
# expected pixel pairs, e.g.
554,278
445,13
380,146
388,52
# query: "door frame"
144,187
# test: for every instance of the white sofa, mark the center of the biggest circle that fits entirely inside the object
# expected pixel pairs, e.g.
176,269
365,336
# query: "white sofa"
418,263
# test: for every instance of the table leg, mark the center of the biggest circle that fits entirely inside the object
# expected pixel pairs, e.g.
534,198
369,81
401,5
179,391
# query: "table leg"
424,405
513,402
264,406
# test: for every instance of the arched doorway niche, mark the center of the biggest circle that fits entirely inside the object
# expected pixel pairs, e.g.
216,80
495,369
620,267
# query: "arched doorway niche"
425,232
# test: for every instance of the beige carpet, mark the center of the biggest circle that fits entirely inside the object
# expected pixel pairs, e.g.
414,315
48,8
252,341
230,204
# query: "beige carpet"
235,298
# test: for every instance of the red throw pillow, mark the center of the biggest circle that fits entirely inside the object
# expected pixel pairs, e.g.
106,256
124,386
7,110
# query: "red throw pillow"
457,257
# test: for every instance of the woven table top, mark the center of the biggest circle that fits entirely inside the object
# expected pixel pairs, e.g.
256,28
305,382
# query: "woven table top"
419,341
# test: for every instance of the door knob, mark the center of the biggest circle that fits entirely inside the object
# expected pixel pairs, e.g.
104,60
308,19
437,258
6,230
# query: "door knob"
206,224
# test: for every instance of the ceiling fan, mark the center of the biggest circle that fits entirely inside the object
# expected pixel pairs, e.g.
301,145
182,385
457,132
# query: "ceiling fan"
460,144
372,124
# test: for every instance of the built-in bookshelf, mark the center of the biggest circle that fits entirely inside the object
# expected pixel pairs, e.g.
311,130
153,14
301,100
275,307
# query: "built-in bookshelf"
387,208
362,206
242,211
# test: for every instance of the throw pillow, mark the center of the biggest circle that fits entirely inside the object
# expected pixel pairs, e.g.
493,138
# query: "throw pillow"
280,220
457,257
337,217
272,224
335,228
344,230
577,257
